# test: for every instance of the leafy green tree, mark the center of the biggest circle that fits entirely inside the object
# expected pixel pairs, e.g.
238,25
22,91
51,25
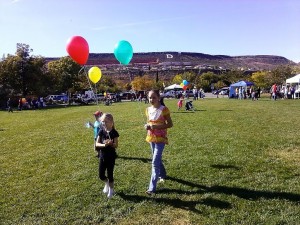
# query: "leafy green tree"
189,76
108,84
23,74
142,83
219,84
127,86
158,85
66,75
234,76
206,79
10,78
261,79
280,74
177,79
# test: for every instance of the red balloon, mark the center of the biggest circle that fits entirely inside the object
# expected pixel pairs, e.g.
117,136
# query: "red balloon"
78,49
185,87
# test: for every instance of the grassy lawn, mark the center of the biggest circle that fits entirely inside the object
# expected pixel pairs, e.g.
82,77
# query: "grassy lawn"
229,162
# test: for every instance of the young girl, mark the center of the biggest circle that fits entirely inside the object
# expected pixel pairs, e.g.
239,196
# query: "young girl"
159,119
107,142
96,127
180,102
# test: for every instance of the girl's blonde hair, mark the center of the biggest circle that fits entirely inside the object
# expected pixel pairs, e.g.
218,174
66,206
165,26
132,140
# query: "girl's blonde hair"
109,117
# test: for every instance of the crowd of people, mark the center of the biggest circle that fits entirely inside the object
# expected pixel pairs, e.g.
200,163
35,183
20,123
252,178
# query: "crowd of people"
23,103
247,93
282,92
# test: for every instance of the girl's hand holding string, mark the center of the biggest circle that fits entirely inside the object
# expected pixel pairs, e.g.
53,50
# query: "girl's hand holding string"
148,127
108,142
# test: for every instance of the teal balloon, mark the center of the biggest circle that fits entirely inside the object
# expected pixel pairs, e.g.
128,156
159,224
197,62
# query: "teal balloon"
123,52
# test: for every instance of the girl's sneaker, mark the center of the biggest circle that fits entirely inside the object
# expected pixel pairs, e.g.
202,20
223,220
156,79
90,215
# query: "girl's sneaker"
110,192
106,187
150,193
161,180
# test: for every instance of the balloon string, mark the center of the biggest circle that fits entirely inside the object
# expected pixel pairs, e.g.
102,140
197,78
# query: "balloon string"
96,94
89,82
80,70
140,108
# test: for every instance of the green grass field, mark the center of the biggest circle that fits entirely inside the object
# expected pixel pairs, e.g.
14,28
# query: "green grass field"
229,162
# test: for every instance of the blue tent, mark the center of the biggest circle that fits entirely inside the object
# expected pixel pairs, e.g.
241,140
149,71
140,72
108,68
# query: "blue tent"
238,84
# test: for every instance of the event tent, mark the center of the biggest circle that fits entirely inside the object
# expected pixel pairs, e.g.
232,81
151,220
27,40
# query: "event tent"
173,87
238,84
242,84
293,80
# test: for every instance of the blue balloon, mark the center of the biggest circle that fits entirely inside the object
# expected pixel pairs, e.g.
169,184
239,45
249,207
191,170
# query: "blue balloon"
123,52
185,82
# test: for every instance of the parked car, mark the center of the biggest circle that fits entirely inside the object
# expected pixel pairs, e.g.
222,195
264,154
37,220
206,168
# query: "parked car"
170,94
100,97
127,96
76,96
222,91
50,98
57,98
189,93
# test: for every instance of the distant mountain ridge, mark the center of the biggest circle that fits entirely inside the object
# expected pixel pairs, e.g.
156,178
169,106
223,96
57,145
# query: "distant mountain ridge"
256,62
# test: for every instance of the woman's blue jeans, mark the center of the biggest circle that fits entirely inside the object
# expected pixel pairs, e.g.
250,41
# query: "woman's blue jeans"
158,169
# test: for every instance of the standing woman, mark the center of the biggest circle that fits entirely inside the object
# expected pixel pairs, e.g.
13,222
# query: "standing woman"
158,120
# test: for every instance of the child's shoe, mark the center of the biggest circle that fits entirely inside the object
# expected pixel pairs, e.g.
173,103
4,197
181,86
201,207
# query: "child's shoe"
150,193
161,180
106,187
110,192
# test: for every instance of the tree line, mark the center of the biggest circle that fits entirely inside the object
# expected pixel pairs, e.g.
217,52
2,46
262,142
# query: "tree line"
24,74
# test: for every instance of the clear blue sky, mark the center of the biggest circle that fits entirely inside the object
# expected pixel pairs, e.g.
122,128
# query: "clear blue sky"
217,27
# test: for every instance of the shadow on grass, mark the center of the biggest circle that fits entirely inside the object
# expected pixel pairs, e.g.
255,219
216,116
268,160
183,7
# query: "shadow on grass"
183,112
145,160
225,110
189,111
239,192
220,166
178,203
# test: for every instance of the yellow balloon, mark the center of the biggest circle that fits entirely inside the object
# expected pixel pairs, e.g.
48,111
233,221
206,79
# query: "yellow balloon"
95,74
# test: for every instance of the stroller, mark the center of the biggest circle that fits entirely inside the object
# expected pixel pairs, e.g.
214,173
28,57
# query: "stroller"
189,105
108,102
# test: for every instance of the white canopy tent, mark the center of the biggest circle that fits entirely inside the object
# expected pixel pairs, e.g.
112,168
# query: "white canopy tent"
173,87
292,81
